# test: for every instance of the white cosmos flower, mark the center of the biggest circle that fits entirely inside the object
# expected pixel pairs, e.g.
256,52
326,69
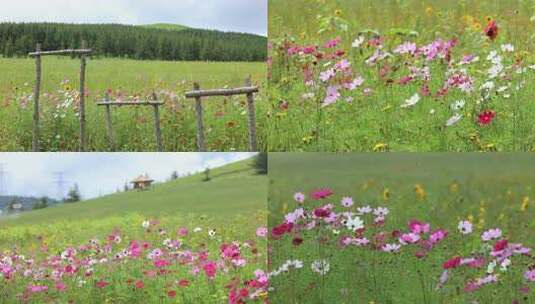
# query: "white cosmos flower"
505,264
145,224
354,223
508,48
491,266
501,89
358,42
197,229
459,104
411,101
489,85
320,266
453,120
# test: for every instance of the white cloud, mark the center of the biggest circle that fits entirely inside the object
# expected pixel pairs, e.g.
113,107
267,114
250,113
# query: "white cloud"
32,174
228,15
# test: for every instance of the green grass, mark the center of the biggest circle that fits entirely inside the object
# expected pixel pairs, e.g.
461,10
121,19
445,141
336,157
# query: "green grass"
223,196
376,121
225,119
491,189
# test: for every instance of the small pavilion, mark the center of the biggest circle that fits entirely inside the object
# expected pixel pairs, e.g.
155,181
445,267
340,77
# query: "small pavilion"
142,182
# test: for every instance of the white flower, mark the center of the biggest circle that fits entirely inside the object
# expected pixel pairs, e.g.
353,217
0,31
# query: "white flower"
491,266
145,224
465,227
492,55
364,210
354,224
505,264
508,48
502,89
380,211
297,264
459,104
453,120
197,229
310,95
358,42
432,111
211,233
320,266
391,247
411,101
489,85
495,70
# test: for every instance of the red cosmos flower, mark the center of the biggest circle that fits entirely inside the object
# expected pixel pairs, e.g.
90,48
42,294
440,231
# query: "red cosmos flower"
101,284
297,241
139,284
171,293
500,245
321,193
281,229
183,283
322,212
452,263
486,117
492,30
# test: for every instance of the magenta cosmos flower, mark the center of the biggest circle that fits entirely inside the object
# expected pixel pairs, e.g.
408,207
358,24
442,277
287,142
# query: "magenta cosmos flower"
321,193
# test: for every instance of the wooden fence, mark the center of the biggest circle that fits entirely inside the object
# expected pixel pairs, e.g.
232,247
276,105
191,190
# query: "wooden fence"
154,103
248,90
82,52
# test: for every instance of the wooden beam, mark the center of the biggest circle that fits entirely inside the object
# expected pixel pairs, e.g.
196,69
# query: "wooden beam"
36,93
251,118
109,126
61,52
130,103
200,122
221,92
82,99
157,125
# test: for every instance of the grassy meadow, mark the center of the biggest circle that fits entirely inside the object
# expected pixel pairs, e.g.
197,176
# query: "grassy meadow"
401,75
225,118
319,259
183,241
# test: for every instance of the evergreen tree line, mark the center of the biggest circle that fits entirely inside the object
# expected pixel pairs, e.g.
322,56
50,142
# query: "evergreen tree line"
135,42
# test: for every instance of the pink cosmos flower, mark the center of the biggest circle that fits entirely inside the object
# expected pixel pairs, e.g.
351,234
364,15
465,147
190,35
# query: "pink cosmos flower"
409,238
321,193
333,43
159,263
530,275
491,234
452,263
299,197
182,231
437,236
419,227
332,96
210,269
406,48
37,288
101,284
261,232
347,201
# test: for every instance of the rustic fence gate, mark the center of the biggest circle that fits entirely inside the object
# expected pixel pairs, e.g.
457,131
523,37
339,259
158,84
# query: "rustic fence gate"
248,90
82,52
154,103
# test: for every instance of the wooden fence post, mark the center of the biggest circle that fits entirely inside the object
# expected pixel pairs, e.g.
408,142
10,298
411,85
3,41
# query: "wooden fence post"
82,98
200,123
109,127
36,92
251,117
157,124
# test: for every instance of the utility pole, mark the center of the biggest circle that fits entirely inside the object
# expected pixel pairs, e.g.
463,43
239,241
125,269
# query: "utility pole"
60,183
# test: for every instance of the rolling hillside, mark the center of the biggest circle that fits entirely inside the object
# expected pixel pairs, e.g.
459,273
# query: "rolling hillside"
166,26
234,189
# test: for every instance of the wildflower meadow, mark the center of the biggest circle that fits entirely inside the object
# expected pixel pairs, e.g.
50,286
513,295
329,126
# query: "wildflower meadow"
401,75
125,80
402,228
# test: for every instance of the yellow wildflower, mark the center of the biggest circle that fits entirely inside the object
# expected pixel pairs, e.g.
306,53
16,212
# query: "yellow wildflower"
429,11
419,191
386,194
524,205
380,147
338,13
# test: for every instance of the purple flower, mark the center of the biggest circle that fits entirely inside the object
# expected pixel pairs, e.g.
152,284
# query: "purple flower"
491,234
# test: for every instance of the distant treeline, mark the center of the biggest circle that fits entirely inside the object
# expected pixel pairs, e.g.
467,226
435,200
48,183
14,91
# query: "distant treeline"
136,42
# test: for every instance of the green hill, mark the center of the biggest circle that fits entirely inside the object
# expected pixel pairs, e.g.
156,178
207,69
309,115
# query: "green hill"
166,26
233,189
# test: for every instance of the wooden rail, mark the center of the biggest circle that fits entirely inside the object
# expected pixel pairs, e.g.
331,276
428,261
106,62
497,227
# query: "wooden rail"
83,52
248,90
61,52
155,105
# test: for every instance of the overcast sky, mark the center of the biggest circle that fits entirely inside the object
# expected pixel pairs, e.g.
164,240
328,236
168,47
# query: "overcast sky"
32,174
248,16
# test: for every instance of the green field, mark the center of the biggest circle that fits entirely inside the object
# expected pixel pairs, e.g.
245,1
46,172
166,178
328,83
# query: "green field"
366,104
489,190
225,118
221,204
